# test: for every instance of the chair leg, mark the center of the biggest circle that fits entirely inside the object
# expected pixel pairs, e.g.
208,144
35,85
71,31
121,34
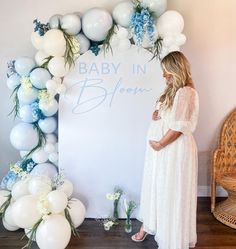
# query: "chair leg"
213,195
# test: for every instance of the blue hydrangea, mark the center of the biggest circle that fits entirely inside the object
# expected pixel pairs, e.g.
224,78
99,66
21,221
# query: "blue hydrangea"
36,112
9,180
40,28
95,48
11,68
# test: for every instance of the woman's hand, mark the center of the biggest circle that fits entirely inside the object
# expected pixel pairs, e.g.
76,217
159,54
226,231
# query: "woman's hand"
155,145
155,115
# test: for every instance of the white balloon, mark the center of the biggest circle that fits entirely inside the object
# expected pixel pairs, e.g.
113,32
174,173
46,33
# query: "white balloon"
124,44
51,84
39,185
53,157
50,109
58,67
9,227
71,24
3,196
51,138
41,57
37,40
8,217
168,40
170,23
123,12
23,153
24,136
96,23
122,33
39,156
13,81
53,233
66,187
54,21
49,148
26,115
159,6
173,48
114,41
27,97
180,39
19,189
54,42
46,169
57,201
48,125
84,43
25,211
28,233
77,211
61,89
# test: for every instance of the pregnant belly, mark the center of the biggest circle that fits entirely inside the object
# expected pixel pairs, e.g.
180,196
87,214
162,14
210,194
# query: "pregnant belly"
155,131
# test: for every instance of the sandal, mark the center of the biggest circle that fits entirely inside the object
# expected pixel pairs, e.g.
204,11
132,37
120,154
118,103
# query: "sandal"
139,240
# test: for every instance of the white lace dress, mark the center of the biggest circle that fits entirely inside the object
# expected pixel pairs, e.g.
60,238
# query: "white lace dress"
169,190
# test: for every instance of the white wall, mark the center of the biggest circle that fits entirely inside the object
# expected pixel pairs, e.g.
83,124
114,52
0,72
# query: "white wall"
209,26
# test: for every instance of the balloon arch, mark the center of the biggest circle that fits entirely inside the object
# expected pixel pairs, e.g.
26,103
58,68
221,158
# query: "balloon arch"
34,195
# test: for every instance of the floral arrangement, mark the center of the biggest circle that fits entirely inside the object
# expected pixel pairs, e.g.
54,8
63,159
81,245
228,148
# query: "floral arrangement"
129,207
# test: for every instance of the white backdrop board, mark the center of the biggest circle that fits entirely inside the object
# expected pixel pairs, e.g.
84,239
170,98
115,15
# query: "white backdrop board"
103,121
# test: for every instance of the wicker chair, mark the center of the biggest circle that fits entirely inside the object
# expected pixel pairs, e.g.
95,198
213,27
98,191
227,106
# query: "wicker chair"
224,173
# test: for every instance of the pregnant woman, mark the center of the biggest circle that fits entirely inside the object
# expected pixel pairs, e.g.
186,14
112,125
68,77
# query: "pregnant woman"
169,190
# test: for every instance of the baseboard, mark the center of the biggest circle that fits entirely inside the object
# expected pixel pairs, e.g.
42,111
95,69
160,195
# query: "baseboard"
205,191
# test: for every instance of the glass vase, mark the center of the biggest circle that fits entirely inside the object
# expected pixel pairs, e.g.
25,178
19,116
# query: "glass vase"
115,211
128,226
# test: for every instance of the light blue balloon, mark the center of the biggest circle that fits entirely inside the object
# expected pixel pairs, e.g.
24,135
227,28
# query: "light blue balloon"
48,125
27,97
24,65
39,77
54,21
24,136
13,81
26,114
84,43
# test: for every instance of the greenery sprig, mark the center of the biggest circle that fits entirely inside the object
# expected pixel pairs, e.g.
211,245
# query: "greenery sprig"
106,43
16,106
5,205
72,226
156,49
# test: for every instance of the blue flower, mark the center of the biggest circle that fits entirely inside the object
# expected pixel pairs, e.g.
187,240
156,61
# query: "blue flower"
40,27
36,112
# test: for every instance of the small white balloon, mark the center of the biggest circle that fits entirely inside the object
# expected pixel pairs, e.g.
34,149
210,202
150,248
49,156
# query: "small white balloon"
71,24
53,233
77,211
96,23
54,42
61,89
168,40
51,138
39,156
124,44
122,33
39,185
9,227
51,84
25,211
57,201
180,39
8,217
58,67
49,148
44,169
41,57
159,6
50,109
20,189
66,187
37,40
84,43
53,157
54,21
173,48
123,12
48,125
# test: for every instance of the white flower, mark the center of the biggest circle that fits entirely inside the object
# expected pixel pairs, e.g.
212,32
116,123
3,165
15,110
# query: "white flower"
26,84
110,197
43,205
116,196
108,224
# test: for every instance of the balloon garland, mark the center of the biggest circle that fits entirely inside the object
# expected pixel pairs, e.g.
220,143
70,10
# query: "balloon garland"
36,197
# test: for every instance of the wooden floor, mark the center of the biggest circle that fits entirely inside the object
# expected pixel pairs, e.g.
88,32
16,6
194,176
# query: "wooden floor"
211,235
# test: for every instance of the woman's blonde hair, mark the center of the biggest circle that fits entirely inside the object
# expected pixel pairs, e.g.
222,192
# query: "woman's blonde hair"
177,65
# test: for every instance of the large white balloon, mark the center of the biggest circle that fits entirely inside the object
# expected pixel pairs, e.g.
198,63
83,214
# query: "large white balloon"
48,125
123,12
170,23
77,211
39,156
96,23
3,196
9,227
54,42
83,42
54,232
39,185
66,187
24,136
159,6
58,67
41,57
71,24
46,169
20,189
37,40
57,201
27,97
25,211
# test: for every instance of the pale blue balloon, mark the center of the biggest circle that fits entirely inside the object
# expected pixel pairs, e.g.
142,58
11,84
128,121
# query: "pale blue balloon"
54,21
24,136
39,77
26,114
13,81
84,43
48,125
24,65
27,97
